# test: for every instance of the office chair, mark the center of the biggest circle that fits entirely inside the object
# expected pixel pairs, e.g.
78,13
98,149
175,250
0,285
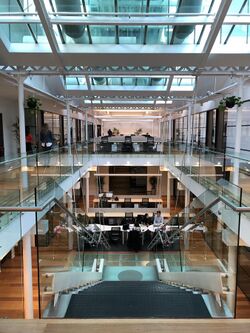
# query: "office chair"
128,203
145,203
105,145
99,218
150,144
115,234
127,146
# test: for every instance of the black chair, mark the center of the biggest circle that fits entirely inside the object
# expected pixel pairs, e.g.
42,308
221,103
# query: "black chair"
129,218
127,146
134,240
128,203
115,234
105,145
99,218
145,203
148,146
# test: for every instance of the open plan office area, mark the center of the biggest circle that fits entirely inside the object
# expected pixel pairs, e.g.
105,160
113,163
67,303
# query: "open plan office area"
124,165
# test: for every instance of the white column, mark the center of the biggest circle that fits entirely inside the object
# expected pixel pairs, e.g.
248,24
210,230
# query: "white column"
21,115
168,191
86,126
87,191
232,260
187,197
189,123
68,126
170,127
69,219
27,277
237,144
22,134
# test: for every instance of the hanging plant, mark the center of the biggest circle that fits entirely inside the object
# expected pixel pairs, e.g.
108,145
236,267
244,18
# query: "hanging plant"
229,102
33,103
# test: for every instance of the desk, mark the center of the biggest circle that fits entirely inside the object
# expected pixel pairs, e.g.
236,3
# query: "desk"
120,212
111,201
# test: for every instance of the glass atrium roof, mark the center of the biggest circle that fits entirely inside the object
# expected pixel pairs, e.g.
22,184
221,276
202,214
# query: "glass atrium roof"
130,22
159,47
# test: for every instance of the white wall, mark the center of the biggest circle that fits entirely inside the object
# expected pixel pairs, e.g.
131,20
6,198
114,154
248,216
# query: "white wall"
129,127
9,110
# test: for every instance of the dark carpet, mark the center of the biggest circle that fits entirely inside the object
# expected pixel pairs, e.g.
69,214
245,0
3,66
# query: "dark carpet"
136,299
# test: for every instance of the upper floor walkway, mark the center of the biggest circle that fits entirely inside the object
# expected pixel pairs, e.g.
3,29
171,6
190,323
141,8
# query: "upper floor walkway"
29,184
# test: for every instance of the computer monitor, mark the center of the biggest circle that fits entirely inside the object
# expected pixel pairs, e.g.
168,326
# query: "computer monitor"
109,194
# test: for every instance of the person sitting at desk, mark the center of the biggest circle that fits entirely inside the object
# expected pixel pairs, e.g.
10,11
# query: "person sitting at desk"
134,238
145,219
158,219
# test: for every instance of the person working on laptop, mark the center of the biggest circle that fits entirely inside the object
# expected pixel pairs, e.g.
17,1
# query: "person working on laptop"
158,219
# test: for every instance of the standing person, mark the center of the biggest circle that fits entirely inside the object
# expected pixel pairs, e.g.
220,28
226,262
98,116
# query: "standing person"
46,138
158,219
29,140
110,133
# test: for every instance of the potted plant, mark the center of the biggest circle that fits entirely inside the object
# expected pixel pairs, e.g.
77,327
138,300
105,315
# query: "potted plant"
83,219
153,182
33,103
115,131
138,131
229,102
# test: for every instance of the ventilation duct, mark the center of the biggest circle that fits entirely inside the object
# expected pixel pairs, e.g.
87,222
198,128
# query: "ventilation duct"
180,33
73,31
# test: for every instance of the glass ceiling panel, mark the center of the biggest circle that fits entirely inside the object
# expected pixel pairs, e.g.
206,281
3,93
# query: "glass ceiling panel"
118,81
239,6
183,83
24,33
139,35
10,6
133,6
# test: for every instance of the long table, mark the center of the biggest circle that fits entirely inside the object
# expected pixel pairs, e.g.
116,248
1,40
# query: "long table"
120,201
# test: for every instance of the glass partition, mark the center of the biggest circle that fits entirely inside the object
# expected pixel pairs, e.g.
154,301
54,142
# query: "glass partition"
11,274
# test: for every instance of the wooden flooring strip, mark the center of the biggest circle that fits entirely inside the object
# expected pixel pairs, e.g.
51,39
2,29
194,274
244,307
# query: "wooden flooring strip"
125,326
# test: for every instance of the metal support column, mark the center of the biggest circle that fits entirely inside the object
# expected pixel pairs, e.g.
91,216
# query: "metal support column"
27,277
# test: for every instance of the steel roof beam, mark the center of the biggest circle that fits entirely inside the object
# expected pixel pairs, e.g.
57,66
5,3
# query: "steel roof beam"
41,10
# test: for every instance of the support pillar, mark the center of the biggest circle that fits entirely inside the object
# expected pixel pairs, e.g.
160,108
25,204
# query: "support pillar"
86,127
87,192
68,126
232,261
27,277
22,134
168,191
187,197
69,219
237,144
21,114
170,127
189,123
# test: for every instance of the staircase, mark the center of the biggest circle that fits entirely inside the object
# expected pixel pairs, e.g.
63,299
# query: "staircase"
136,299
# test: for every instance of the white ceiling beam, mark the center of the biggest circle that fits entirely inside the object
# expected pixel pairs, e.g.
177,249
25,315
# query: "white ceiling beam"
42,12
215,28
239,19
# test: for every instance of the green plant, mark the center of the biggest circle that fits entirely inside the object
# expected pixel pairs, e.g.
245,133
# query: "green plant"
15,130
83,219
229,102
138,131
115,131
33,103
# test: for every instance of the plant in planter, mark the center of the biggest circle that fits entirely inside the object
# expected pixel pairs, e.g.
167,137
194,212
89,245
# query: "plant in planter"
115,131
83,219
15,130
229,102
33,103
138,131
153,182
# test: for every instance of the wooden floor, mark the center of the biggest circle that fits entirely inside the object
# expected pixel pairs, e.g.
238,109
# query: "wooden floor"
125,326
